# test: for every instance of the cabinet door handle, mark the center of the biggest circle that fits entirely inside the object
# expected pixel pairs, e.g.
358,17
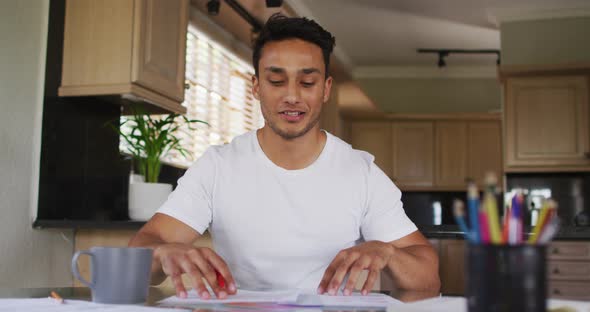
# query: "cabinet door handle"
188,86
556,291
555,251
556,271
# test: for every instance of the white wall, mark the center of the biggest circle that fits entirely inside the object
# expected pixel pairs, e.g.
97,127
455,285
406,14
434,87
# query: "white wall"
548,41
28,257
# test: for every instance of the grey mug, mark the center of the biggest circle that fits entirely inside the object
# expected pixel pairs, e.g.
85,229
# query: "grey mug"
118,275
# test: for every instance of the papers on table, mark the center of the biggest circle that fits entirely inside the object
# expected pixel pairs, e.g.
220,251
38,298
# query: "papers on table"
459,304
241,296
51,305
291,298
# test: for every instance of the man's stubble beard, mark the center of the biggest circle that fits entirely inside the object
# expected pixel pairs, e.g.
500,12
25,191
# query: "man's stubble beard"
286,134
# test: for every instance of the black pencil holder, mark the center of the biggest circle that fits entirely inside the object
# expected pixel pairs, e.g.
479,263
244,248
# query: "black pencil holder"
505,278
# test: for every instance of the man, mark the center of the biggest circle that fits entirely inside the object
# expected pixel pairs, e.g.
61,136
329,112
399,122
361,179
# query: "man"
288,205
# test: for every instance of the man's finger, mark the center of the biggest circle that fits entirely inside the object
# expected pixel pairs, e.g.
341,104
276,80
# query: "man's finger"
178,285
195,276
328,274
171,269
341,272
373,274
208,273
361,264
221,267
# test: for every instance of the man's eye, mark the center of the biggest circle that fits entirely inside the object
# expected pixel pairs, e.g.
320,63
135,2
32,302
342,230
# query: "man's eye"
276,82
308,84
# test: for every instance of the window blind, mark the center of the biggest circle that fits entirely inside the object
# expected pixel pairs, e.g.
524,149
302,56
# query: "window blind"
220,94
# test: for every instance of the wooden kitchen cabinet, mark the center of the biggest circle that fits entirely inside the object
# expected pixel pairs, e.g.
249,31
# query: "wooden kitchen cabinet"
431,152
413,153
451,154
452,266
467,151
568,270
375,138
484,147
546,120
130,48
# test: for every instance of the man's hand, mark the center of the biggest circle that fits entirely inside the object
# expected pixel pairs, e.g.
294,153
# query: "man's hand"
372,256
197,263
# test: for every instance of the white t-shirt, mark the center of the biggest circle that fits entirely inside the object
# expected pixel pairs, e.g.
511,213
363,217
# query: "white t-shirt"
278,228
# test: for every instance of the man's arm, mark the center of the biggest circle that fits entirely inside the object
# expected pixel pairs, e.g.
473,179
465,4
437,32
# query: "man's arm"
411,261
174,255
414,263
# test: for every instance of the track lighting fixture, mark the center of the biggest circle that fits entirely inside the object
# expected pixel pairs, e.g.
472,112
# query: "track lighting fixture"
442,53
213,7
274,3
441,59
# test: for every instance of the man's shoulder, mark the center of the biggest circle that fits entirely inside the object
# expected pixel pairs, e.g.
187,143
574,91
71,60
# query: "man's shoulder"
241,146
346,153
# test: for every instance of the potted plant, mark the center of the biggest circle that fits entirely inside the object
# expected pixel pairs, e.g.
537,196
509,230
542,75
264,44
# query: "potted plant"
148,138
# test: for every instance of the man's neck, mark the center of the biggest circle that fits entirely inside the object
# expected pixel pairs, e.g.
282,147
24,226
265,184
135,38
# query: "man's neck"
292,154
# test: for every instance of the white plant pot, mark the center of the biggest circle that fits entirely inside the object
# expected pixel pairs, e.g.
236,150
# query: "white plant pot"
146,198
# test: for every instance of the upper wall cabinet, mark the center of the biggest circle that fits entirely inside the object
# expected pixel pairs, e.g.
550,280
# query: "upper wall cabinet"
430,152
413,151
546,122
134,48
376,138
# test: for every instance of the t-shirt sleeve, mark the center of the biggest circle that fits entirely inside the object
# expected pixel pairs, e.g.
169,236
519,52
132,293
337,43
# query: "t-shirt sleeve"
385,219
190,202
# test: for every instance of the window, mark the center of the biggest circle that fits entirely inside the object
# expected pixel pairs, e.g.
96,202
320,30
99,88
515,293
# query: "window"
219,93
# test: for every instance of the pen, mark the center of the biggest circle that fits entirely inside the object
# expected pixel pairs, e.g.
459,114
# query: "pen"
547,214
515,219
55,296
483,226
220,279
549,231
473,206
505,224
459,213
491,209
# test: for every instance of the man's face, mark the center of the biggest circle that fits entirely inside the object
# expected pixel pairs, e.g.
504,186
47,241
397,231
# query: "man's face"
291,86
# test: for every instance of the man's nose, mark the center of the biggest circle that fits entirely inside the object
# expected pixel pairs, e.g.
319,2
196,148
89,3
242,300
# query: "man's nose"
293,93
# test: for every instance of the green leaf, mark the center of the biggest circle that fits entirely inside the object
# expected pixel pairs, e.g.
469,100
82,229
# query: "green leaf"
152,137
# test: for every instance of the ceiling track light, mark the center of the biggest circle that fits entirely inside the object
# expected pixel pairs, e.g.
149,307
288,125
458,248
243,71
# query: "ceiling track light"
274,3
213,9
442,53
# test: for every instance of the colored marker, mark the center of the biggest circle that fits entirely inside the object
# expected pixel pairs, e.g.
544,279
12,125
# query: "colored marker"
492,209
459,213
220,279
473,206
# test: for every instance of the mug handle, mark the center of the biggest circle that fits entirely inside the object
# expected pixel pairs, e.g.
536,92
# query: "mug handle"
75,270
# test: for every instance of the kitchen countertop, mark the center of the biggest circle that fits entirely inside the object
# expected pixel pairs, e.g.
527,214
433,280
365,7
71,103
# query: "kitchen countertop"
430,231
88,224
453,232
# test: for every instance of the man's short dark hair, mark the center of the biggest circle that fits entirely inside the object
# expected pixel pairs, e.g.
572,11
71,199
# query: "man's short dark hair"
280,27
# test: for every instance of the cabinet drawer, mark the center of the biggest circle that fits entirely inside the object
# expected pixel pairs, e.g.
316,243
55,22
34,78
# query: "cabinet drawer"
569,251
569,290
568,270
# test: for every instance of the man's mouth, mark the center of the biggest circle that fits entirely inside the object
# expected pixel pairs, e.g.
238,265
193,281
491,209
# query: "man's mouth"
292,113
292,116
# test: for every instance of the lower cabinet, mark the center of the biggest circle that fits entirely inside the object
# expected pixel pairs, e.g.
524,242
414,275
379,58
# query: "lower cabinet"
568,268
451,266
